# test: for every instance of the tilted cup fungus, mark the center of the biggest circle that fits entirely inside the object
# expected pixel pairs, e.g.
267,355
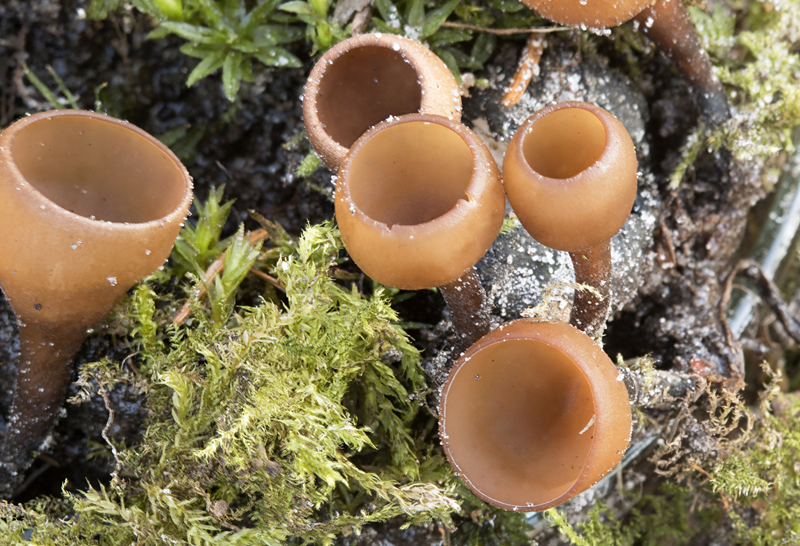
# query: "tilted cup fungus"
365,79
570,175
419,202
665,22
533,414
89,205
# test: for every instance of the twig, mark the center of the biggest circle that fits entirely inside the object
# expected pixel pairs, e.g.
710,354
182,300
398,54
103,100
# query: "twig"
270,279
104,433
528,68
216,267
505,31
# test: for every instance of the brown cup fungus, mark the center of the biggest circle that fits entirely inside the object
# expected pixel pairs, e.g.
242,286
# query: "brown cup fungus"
570,175
418,202
665,22
89,205
366,79
533,414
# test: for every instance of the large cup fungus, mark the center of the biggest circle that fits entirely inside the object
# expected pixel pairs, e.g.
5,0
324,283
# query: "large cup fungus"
533,414
89,205
418,202
366,79
665,22
570,176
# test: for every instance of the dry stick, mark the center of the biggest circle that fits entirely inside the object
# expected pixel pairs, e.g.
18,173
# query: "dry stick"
505,31
767,291
526,69
216,267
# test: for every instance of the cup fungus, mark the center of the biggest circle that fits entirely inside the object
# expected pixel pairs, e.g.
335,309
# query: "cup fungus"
366,79
418,202
665,22
533,414
89,205
570,175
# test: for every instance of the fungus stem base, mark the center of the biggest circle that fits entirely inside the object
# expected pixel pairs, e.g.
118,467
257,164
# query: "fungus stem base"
668,25
469,309
592,267
43,375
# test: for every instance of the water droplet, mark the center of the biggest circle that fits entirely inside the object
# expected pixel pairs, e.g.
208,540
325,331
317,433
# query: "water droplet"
112,281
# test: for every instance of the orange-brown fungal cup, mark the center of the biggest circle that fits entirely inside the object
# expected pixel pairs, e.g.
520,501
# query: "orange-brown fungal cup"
89,205
419,202
570,175
533,414
364,80
665,22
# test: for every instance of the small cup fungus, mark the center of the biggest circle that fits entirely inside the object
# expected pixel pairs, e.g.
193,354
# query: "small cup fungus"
570,176
665,22
89,205
533,414
418,202
366,79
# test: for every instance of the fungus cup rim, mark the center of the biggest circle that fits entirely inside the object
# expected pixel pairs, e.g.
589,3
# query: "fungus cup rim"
37,198
413,52
607,163
477,196
520,330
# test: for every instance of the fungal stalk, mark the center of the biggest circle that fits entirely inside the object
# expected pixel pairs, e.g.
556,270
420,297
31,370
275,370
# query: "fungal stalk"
570,175
89,205
419,202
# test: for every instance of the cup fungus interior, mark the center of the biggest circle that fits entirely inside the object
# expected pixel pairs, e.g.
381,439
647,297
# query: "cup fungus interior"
410,173
564,142
363,87
519,421
99,169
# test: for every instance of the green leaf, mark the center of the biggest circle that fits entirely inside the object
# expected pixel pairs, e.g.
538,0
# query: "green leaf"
197,51
170,8
320,7
438,16
277,56
298,7
257,15
211,13
206,67
415,12
42,88
99,9
195,33
449,36
383,27
158,33
232,75
389,14
271,35
483,49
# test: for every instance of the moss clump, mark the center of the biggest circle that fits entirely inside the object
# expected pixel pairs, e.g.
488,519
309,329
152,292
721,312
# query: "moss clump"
256,425
753,56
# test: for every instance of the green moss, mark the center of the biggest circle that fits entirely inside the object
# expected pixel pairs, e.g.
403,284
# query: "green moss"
755,60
